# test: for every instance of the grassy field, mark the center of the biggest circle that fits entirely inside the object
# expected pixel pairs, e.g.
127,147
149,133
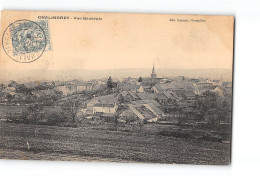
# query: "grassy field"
5,110
19,141
13,109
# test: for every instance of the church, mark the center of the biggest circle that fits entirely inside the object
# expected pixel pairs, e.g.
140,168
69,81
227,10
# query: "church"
153,75
154,78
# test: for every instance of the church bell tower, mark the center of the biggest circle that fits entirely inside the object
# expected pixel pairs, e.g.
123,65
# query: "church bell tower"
153,75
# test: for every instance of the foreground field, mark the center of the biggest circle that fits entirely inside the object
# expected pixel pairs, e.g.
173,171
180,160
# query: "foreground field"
18,141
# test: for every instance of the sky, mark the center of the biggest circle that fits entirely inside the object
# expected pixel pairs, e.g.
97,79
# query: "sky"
121,41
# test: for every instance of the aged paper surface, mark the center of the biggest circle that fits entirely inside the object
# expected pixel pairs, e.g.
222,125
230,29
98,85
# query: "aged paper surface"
116,87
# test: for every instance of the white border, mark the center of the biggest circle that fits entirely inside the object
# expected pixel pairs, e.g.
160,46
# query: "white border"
246,118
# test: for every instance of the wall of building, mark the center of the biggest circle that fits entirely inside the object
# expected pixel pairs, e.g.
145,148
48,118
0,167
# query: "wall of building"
111,110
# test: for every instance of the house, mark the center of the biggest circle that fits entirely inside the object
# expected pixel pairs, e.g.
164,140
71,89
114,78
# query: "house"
127,96
72,87
9,90
201,88
135,97
76,85
145,96
130,87
105,108
6,96
228,87
98,106
164,80
140,89
185,85
194,80
218,83
154,109
227,84
50,92
141,112
3,97
228,90
37,93
8,93
181,78
183,94
147,88
13,84
31,85
220,91
89,86
202,84
65,90
81,88
141,102
99,86
217,89
102,101
160,97
59,83
159,87
169,95
130,80
130,115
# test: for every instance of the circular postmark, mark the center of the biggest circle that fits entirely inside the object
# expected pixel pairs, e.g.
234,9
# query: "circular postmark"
24,41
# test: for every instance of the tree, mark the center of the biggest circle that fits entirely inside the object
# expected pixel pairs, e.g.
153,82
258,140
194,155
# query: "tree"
116,122
13,84
213,107
34,112
21,88
140,79
70,108
2,86
110,83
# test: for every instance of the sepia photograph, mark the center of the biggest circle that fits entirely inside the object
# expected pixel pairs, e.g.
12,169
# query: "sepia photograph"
116,87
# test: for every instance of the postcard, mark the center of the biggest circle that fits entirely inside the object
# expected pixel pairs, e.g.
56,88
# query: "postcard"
116,87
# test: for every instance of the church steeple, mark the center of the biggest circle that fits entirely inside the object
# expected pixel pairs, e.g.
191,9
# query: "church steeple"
153,75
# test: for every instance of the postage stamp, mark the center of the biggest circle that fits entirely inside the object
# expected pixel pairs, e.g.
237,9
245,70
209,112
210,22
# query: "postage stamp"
25,41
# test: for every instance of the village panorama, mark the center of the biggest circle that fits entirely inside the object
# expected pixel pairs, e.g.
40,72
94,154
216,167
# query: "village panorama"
144,119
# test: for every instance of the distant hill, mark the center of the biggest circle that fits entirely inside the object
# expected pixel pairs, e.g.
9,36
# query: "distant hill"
66,75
